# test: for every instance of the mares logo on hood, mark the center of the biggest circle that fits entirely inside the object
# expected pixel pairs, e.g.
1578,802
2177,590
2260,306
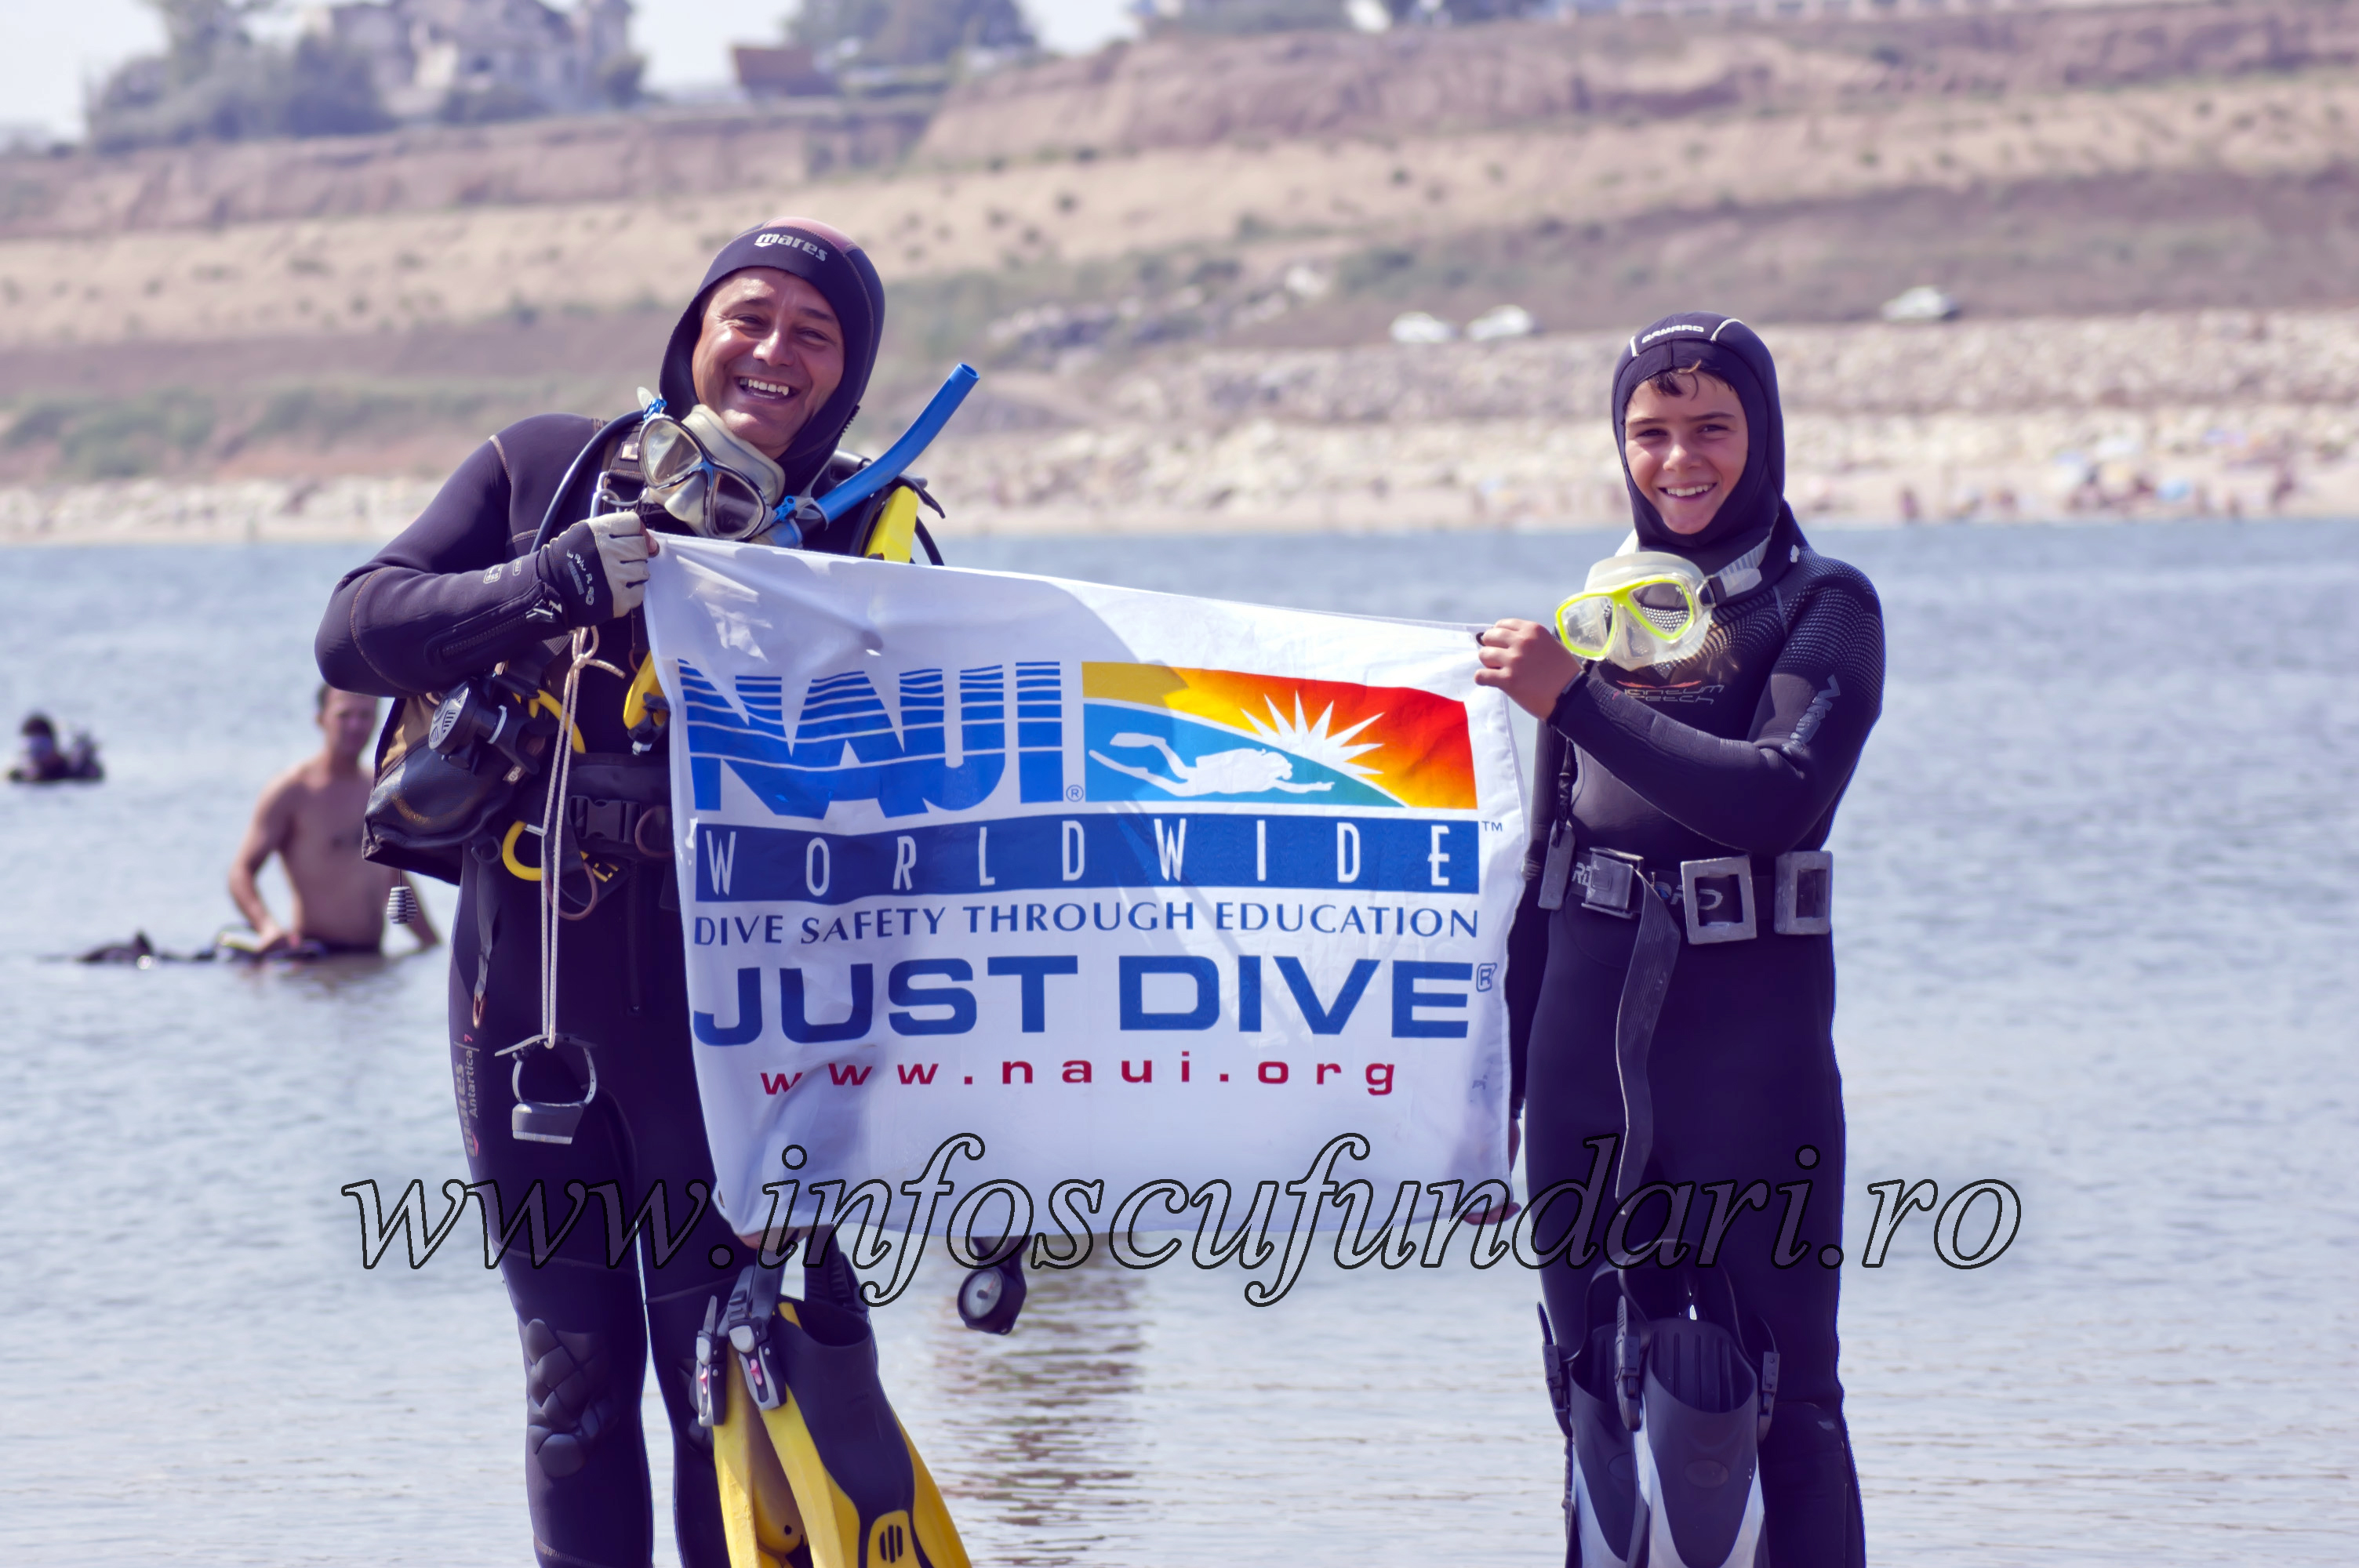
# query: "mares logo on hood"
775,238
825,258
1680,330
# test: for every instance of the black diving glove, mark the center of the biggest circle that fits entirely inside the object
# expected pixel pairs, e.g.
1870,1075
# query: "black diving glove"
597,568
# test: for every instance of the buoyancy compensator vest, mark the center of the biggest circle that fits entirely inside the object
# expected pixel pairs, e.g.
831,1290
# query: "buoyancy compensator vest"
451,765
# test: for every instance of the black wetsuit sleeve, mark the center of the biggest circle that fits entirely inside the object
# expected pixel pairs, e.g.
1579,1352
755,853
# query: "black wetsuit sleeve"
1764,793
442,601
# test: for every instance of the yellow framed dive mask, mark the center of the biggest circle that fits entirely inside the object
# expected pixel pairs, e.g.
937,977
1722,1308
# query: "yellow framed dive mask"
722,504
1647,608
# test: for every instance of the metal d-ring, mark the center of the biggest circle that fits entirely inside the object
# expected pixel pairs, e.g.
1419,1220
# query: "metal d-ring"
547,1121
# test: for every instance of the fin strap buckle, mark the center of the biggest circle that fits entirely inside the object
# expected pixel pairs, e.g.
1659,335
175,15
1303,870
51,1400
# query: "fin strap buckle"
746,1326
1555,1368
1629,1363
712,1363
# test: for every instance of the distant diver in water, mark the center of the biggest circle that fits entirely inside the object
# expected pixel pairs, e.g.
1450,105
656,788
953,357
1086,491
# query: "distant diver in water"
1248,770
310,816
138,951
42,761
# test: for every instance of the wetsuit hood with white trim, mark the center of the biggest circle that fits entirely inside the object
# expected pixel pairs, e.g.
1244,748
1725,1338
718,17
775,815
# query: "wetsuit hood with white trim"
825,258
1728,349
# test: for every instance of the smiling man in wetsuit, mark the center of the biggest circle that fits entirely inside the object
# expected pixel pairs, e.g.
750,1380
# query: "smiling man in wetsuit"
310,816
765,369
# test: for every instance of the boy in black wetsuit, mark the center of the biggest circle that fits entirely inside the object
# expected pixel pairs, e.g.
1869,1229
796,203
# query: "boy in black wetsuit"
1737,752
767,367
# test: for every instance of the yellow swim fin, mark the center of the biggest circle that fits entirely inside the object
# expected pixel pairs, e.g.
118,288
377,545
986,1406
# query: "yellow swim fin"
859,1491
758,1516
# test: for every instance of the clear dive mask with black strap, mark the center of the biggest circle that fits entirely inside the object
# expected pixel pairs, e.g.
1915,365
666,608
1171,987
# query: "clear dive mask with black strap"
1649,606
712,498
722,502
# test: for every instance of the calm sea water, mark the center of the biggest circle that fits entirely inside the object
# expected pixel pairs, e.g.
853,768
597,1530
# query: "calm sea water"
2097,939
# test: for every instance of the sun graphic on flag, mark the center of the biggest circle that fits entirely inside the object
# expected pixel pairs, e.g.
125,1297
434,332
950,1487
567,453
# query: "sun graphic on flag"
1314,740
1368,745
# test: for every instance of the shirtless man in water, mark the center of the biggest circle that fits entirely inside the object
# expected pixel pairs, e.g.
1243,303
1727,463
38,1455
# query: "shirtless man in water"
310,816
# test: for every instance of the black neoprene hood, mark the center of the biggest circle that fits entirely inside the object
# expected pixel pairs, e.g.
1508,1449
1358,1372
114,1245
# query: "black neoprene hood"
1728,349
825,258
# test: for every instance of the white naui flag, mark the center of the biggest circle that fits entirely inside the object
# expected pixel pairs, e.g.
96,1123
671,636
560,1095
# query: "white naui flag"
1133,888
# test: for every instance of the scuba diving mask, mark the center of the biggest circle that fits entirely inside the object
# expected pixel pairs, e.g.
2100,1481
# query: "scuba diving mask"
678,475
1647,608
713,500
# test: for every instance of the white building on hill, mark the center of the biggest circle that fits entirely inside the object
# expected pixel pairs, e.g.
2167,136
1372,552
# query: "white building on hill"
421,52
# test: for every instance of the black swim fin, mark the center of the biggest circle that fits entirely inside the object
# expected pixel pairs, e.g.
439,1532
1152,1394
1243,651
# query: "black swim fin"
1663,1420
1600,1491
1697,1448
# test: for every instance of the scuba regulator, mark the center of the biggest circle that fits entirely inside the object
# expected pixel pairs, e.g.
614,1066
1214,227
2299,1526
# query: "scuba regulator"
491,718
444,775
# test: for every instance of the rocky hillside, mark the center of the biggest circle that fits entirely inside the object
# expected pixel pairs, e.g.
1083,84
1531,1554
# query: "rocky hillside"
2218,413
1193,92
1182,219
2210,412
1600,217
440,168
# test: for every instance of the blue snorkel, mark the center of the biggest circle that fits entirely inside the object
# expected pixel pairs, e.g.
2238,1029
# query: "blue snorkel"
795,519
805,516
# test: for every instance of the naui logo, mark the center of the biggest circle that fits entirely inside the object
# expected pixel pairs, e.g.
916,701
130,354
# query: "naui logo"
847,746
1150,734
